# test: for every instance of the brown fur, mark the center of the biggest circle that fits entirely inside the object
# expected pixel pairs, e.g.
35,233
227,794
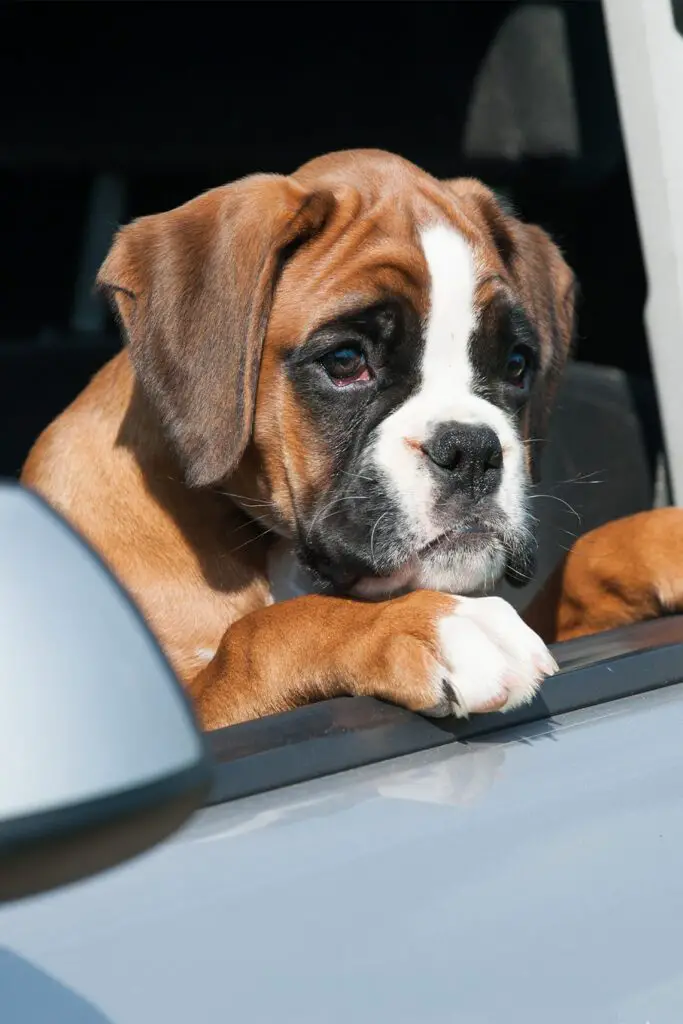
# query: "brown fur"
623,572
194,417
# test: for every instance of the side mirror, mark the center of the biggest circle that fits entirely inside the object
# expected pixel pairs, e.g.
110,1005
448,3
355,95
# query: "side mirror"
100,755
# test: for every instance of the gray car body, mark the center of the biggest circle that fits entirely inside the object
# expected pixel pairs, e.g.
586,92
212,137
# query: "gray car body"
531,876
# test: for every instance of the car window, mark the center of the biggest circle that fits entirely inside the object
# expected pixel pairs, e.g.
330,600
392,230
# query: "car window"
95,136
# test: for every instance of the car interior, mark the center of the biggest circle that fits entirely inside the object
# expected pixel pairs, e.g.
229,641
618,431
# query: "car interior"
113,117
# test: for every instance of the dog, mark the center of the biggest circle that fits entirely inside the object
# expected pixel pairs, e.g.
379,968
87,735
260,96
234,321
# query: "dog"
309,465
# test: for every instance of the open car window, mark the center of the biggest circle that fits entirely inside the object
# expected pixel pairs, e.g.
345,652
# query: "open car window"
550,140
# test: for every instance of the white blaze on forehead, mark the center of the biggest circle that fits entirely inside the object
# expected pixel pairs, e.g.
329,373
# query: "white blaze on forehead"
452,319
446,390
446,373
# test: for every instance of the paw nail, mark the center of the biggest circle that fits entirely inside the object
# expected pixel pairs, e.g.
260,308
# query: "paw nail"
451,694
546,666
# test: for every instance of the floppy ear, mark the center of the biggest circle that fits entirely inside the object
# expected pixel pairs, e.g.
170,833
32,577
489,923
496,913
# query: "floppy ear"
547,291
193,289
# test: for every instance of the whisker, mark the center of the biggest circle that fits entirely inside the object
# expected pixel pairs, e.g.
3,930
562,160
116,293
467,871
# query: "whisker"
251,540
359,497
251,521
326,508
244,497
357,476
372,536
556,497
584,478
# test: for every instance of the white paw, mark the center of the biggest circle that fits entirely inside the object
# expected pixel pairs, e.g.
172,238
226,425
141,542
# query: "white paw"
489,659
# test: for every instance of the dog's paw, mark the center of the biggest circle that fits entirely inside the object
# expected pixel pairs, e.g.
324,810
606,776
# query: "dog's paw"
487,659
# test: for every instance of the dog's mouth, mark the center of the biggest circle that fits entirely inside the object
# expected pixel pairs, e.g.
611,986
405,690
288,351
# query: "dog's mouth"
467,538
449,544
373,582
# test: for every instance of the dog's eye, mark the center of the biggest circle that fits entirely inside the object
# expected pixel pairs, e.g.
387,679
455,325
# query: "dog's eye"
518,366
346,365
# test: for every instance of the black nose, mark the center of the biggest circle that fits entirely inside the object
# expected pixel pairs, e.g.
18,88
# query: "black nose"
470,453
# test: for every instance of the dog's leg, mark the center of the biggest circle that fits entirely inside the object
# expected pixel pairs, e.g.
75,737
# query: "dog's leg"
430,652
626,571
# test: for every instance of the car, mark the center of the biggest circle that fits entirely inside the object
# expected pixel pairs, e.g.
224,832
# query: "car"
351,860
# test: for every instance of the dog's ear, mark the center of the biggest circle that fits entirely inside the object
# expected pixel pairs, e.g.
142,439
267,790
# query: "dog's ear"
546,289
193,289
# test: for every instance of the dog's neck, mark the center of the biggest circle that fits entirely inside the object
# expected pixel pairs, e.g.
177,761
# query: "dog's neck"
286,576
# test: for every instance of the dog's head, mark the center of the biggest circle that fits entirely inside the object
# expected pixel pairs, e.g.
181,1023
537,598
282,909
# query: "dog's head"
365,353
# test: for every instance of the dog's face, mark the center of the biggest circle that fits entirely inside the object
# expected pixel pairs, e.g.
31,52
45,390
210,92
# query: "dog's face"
386,346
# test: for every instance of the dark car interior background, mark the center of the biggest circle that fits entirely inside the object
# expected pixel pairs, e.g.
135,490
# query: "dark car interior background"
116,113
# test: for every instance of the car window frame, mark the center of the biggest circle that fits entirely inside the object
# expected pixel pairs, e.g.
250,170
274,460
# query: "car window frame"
351,732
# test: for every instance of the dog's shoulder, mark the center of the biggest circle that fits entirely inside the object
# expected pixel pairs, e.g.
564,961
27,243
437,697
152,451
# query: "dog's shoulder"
69,450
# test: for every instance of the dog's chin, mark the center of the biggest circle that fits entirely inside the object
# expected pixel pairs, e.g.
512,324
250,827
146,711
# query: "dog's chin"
469,564
376,588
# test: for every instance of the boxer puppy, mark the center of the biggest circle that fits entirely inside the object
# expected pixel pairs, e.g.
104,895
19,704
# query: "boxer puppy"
340,377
